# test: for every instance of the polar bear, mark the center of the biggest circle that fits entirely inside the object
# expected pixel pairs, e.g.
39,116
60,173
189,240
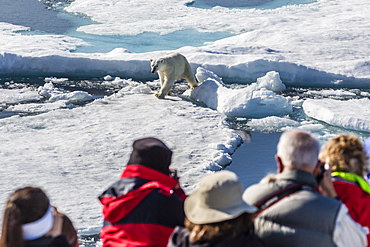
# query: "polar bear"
171,68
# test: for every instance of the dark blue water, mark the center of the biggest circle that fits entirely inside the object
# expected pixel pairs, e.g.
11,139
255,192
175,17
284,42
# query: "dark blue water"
33,14
255,158
146,42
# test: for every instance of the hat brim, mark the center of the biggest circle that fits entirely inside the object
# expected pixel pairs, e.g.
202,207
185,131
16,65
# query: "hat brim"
198,213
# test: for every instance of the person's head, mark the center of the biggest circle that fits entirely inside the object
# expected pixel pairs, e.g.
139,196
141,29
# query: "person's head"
152,153
217,209
28,215
297,150
25,207
345,153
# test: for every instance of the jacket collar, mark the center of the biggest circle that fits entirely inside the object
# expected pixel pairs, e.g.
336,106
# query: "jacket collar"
353,178
299,176
139,171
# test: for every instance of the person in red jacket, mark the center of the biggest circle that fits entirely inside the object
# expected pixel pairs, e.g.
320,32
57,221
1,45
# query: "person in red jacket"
346,156
147,203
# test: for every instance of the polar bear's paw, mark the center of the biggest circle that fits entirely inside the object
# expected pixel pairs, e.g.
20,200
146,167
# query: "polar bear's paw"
159,96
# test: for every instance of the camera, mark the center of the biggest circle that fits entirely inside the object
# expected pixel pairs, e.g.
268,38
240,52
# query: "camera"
320,176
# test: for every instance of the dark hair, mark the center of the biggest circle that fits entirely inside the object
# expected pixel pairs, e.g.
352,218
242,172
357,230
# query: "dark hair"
205,233
68,230
24,206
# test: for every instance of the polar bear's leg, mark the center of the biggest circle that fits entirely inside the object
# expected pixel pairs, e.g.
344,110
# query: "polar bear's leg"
166,87
189,76
163,83
191,81
161,77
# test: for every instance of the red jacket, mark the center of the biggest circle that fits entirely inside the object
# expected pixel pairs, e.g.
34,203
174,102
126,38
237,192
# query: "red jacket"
357,202
141,209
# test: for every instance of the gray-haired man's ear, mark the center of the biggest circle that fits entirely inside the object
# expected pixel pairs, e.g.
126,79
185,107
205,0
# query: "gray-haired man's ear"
279,163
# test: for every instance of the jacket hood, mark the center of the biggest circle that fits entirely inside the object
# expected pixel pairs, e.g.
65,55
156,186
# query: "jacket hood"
118,202
152,153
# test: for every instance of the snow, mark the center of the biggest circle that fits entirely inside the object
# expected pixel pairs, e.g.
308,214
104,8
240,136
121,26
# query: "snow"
95,140
273,123
351,114
332,92
81,150
276,38
53,94
38,107
18,96
254,101
74,153
332,52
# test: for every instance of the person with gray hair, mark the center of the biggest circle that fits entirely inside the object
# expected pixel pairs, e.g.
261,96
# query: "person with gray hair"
291,211
298,150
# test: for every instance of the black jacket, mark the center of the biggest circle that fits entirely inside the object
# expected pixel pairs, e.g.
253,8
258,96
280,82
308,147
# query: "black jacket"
60,241
180,238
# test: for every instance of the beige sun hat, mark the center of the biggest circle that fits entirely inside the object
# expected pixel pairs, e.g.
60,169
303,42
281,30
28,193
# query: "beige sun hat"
218,198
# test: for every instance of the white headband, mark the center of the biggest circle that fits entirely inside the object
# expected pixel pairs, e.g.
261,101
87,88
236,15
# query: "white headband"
40,227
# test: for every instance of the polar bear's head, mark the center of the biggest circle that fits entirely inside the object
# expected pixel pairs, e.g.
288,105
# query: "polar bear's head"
157,64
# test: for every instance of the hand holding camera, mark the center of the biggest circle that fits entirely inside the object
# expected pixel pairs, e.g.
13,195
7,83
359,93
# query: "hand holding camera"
324,180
